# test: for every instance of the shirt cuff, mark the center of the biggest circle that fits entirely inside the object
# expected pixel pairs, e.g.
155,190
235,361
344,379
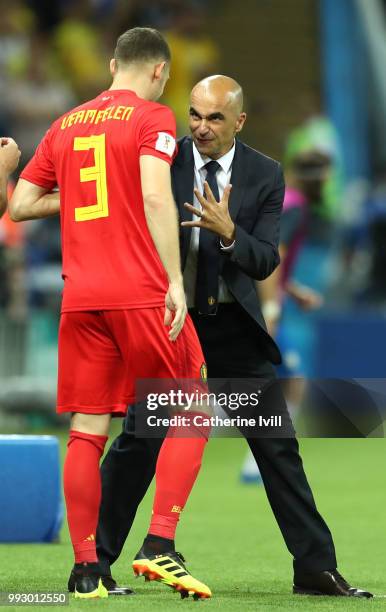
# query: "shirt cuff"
228,248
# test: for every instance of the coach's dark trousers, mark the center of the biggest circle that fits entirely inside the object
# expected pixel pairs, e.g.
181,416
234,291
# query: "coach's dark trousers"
231,350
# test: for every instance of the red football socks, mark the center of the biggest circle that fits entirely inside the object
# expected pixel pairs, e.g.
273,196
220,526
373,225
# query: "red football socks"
82,491
178,464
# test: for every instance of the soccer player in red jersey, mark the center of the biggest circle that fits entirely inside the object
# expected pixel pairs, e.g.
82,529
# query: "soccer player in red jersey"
111,159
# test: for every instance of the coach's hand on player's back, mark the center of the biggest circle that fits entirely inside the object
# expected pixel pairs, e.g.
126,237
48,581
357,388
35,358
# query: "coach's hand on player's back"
9,154
175,309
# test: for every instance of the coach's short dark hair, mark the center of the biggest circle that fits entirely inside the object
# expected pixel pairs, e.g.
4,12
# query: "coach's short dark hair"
141,45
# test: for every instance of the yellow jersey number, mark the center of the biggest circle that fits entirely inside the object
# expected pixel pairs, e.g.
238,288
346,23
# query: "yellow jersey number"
95,173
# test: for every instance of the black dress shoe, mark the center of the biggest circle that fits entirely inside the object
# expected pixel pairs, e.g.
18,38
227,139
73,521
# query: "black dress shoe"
325,583
107,581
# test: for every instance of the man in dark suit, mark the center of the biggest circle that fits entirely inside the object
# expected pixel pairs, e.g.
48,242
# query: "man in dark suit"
229,239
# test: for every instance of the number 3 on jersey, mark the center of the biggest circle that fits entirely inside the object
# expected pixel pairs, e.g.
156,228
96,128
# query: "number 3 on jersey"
95,173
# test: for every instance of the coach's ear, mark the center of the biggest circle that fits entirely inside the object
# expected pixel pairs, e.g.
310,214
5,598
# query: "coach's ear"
113,67
240,122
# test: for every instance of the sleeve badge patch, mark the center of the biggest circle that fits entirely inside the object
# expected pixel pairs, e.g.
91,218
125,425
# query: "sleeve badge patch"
165,143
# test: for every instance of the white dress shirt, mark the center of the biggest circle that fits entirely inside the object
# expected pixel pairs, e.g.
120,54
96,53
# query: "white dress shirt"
223,176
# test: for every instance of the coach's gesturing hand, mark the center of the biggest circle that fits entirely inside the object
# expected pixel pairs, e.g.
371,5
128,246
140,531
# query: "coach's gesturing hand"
213,216
175,309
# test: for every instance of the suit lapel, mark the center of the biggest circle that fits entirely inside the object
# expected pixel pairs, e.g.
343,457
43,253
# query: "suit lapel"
238,180
183,183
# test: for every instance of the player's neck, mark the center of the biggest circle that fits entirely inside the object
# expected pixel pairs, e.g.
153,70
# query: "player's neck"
134,83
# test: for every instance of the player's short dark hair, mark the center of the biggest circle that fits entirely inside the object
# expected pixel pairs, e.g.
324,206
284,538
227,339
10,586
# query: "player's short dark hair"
141,45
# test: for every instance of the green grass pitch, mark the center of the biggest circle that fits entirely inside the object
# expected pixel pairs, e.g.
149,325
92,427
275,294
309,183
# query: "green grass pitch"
231,541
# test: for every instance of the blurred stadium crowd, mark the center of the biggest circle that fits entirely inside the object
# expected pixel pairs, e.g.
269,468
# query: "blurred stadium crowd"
54,55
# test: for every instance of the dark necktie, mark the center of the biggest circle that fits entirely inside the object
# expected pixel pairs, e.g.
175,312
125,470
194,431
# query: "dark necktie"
208,260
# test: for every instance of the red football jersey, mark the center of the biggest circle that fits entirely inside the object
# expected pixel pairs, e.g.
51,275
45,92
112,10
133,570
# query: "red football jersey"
92,153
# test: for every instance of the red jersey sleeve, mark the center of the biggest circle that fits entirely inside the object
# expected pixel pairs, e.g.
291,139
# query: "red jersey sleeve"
40,169
157,133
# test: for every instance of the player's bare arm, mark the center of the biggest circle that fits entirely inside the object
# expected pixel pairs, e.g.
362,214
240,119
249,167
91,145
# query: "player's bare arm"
30,201
9,159
161,217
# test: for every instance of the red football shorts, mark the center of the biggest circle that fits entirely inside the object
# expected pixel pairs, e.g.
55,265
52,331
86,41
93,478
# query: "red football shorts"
102,353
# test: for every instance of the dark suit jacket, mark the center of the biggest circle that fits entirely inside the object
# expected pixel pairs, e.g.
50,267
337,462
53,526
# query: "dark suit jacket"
255,207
